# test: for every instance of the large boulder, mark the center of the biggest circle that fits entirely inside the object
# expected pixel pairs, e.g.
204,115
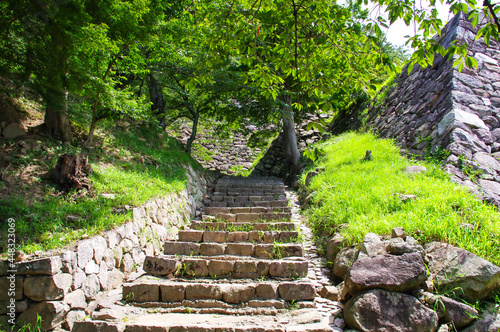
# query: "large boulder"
393,273
48,288
454,268
380,310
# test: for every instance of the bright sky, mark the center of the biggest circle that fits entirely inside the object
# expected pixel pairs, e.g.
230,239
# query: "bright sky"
397,31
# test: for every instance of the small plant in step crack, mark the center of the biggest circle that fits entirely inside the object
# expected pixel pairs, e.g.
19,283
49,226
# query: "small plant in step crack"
293,305
129,298
213,276
278,251
262,279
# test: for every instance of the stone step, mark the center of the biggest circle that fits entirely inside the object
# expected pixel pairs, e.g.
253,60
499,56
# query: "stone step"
243,199
238,236
234,210
251,217
246,226
264,250
148,289
225,267
248,192
273,203
212,320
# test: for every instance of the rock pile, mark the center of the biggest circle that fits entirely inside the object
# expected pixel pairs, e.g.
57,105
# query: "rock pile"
398,285
439,108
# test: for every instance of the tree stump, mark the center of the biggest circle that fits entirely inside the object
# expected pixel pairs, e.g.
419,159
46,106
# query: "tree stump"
71,172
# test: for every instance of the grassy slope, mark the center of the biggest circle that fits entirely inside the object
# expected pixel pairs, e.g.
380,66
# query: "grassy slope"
364,195
136,164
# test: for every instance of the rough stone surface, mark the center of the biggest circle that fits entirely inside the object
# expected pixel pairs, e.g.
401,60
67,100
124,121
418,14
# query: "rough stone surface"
380,310
487,323
393,273
53,314
91,286
458,313
142,292
452,267
47,266
76,299
344,260
160,266
47,288
298,291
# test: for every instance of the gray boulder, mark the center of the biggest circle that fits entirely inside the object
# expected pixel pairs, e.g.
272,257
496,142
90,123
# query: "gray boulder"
458,313
487,323
380,310
344,260
455,268
393,273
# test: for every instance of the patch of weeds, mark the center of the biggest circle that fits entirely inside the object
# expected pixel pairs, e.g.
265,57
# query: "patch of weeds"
468,169
129,298
293,305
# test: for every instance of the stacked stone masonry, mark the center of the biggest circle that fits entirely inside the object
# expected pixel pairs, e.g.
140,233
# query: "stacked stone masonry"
235,278
438,107
66,284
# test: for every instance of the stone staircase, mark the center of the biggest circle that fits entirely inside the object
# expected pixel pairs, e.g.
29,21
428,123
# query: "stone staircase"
243,267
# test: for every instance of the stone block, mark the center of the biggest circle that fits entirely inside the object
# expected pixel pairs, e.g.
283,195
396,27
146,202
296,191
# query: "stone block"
18,306
248,217
288,269
76,299
246,269
220,267
172,293
47,288
72,317
235,237
211,249
142,292
217,210
91,286
270,236
240,249
267,291
43,266
52,312
203,292
190,236
236,293
215,236
264,251
181,248
298,291
195,267
97,326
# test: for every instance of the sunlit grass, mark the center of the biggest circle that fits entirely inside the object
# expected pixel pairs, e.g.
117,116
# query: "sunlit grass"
365,195
135,165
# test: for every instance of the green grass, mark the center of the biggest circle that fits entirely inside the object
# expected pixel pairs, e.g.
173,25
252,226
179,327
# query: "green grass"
135,165
364,196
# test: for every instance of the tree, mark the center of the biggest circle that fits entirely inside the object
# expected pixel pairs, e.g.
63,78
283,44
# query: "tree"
297,52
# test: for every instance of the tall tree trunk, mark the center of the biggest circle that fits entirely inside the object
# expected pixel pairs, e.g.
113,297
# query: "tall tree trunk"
90,138
156,97
56,122
289,137
194,130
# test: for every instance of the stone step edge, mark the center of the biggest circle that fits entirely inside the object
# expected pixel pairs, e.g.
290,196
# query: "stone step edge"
168,292
248,204
255,237
235,251
209,210
244,225
251,307
249,217
166,266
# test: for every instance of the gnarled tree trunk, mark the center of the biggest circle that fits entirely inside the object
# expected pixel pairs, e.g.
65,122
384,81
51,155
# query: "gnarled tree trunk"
156,97
194,130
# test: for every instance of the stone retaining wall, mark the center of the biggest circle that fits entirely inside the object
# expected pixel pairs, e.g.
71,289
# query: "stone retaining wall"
65,284
439,108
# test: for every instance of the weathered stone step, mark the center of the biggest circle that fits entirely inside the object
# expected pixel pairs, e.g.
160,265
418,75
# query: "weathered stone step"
146,289
250,217
238,236
249,204
196,321
247,192
262,250
222,226
243,199
216,210
225,267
